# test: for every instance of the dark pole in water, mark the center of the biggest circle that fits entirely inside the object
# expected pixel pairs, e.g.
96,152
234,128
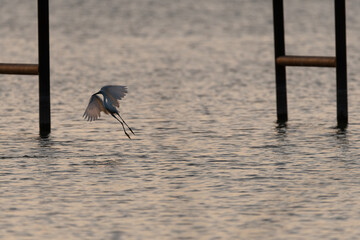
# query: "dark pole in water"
341,73
44,67
280,71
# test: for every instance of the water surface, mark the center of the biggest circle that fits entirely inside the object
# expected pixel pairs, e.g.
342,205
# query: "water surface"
208,160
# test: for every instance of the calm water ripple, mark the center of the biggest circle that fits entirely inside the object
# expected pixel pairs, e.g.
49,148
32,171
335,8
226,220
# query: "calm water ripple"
208,161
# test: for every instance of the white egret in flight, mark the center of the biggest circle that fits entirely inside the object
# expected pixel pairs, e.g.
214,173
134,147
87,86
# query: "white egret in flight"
111,96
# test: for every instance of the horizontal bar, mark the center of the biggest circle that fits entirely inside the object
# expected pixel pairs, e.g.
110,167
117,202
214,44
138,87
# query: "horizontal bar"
306,61
19,68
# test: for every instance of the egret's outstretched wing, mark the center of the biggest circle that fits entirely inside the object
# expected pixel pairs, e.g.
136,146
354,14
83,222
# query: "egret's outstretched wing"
94,108
114,93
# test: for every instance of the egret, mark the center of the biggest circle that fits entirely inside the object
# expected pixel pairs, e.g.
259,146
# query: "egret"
111,96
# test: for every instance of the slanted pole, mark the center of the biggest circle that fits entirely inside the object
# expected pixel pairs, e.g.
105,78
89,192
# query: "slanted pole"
280,71
341,73
44,68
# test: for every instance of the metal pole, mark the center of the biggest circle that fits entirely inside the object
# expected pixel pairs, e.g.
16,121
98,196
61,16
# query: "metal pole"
306,61
341,73
19,68
44,68
280,71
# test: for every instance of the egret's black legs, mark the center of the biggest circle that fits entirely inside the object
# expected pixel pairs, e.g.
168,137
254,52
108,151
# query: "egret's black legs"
121,125
125,123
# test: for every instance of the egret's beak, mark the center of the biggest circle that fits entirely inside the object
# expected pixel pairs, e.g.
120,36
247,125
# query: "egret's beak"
98,92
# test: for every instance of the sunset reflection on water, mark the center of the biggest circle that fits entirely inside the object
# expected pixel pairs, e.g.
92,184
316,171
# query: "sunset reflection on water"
208,160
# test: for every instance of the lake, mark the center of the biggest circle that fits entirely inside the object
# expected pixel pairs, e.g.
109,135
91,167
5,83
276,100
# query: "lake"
208,160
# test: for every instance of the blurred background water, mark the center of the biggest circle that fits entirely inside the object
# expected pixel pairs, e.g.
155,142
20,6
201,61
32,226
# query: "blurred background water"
208,160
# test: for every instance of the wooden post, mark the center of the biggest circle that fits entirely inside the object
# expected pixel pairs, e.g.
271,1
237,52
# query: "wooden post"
280,71
341,73
44,68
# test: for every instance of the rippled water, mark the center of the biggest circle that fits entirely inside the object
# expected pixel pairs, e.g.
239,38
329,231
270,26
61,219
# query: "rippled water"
208,160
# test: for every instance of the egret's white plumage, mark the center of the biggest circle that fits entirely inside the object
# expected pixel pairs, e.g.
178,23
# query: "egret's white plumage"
114,93
94,108
111,94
